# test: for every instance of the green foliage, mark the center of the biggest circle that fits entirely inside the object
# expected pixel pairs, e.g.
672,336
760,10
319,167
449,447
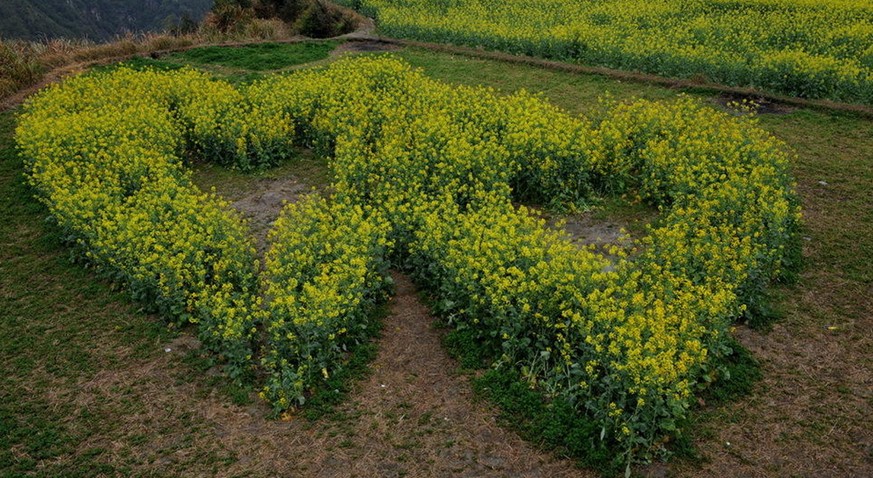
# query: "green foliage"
37,277
332,391
553,424
431,170
325,273
179,251
740,373
627,347
140,63
465,346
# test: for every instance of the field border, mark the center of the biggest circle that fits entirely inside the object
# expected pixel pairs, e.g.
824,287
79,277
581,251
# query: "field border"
636,77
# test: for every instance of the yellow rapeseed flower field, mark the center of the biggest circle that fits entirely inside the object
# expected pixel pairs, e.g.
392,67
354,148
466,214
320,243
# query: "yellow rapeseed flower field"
806,48
427,176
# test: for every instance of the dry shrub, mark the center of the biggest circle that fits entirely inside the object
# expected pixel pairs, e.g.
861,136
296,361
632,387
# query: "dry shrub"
324,19
23,64
314,18
228,17
267,29
127,45
163,41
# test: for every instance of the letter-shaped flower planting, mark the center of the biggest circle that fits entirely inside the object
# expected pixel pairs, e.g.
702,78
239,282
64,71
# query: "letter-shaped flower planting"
427,175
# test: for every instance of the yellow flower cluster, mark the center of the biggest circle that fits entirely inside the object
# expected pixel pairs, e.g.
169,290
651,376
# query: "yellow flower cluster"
443,165
807,48
325,271
103,153
428,174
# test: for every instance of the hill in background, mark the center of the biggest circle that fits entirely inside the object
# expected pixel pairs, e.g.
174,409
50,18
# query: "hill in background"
93,19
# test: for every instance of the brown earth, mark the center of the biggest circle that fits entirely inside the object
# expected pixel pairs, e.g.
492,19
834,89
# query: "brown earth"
755,103
365,46
261,208
586,230
413,416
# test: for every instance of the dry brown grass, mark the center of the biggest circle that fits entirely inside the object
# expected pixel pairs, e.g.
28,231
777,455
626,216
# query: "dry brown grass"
18,66
24,64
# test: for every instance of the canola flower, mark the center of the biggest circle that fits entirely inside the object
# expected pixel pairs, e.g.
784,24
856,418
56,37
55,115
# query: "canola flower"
427,176
325,271
805,48
104,154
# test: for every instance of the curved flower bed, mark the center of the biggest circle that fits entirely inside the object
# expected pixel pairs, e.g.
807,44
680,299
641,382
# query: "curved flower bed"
426,174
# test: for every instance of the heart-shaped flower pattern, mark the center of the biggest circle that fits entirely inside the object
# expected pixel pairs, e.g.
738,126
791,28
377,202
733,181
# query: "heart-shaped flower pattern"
425,175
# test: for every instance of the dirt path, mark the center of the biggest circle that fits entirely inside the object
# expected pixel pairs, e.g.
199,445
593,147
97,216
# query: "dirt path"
810,415
261,208
418,418
413,416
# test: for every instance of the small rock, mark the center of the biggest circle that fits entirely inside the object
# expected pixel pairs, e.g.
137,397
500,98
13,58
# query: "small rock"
493,462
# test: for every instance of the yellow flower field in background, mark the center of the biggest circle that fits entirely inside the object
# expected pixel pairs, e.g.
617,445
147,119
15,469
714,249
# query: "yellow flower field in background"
805,48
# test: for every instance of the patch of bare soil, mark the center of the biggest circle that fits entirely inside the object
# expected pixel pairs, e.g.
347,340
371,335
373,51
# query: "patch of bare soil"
261,207
366,29
412,417
365,46
810,416
757,104
417,418
586,230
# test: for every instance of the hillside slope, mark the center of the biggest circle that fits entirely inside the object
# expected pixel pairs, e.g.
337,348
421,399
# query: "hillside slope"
92,19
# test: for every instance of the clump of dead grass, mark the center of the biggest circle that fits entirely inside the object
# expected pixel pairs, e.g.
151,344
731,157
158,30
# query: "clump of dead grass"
18,66
24,63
